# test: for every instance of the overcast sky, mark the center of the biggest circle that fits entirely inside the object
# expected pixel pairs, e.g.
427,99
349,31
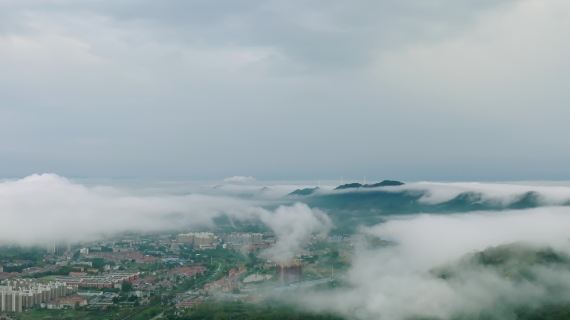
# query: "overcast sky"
295,89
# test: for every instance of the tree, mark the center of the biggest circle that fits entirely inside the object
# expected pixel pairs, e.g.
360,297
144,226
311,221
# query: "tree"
126,286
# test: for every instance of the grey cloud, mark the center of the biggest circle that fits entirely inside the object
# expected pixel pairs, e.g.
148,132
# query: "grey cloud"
316,33
284,90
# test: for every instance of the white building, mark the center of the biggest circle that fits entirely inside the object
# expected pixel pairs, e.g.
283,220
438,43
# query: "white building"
19,294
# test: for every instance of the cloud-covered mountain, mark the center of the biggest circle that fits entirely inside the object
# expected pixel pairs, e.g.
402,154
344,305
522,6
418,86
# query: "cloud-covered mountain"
511,265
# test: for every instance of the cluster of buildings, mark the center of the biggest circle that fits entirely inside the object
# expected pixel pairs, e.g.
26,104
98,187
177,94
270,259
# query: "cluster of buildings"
58,248
227,283
83,275
245,241
290,273
19,294
108,280
198,240
242,241
123,255
187,271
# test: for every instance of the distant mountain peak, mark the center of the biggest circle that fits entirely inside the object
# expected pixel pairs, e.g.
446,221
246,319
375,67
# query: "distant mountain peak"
304,192
384,183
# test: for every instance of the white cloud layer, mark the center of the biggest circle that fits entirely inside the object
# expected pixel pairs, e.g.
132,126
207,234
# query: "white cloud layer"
398,282
42,208
294,226
239,179
394,282
547,193
38,208
502,193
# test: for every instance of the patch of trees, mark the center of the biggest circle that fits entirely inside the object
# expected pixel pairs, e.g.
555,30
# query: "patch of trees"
240,310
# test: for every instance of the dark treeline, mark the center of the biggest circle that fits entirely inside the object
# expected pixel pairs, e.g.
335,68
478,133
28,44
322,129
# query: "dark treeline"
242,311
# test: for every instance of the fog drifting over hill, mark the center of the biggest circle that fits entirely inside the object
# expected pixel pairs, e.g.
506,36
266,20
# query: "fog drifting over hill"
391,282
400,282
